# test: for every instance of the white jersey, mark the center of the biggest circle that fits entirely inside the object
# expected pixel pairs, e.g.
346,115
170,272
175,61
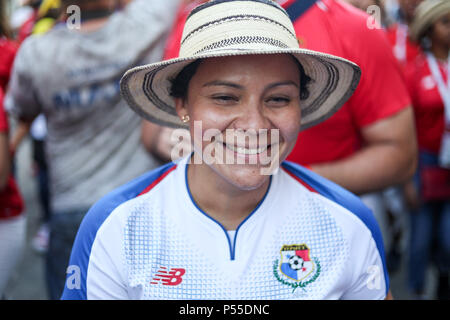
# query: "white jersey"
307,239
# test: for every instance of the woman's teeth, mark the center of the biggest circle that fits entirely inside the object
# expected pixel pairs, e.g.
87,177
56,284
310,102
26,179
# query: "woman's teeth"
249,151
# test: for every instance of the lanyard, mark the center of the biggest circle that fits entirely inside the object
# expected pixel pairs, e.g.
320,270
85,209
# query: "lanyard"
400,42
444,89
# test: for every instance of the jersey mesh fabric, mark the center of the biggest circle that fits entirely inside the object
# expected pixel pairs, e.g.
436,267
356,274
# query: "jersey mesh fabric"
128,239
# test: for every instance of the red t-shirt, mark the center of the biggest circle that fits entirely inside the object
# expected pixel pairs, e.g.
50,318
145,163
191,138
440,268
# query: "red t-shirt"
8,50
340,29
403,48
11,203
427,102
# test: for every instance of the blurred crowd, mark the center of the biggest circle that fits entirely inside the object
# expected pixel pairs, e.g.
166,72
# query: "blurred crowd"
389,144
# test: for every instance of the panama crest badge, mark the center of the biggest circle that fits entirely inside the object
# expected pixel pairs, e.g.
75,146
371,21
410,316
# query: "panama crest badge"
296,268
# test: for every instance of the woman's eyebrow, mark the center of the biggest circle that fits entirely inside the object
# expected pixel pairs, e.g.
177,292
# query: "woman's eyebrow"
237,86
223,83
282,83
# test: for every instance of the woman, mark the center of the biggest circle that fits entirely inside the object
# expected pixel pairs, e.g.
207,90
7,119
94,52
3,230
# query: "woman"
228,221
428,81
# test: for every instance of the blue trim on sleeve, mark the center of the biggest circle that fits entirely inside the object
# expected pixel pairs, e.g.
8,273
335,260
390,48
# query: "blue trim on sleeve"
347,200
92,222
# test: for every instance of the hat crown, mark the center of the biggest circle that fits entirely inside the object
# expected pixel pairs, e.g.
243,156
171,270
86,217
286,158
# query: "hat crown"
237,25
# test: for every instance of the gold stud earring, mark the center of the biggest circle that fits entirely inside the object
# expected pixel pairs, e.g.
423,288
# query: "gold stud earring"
185,118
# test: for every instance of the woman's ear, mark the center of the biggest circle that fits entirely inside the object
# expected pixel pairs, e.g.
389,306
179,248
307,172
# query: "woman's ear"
181,108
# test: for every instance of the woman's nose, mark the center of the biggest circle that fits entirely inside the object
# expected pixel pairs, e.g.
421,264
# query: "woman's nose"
252,116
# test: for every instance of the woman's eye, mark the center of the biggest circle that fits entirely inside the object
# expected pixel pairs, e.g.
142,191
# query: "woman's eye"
278,101
225,98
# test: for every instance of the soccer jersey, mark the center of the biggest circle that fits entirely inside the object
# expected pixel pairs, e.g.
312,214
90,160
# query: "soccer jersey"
307,239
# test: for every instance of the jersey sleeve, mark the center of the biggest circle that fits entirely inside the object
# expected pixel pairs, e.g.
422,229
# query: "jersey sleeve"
96,268
381,92
93,271
22,97
106,272
368,276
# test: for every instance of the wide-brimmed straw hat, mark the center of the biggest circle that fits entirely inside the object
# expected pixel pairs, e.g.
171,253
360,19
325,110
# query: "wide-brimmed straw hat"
240,27
427,13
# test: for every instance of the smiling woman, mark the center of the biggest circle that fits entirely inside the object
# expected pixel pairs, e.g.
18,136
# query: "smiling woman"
223,95
221,228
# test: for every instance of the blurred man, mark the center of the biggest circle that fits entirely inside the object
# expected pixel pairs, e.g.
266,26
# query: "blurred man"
368,144
368,141
71,74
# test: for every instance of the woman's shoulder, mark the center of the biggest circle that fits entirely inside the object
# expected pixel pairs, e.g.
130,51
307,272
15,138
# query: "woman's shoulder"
124,196
348,210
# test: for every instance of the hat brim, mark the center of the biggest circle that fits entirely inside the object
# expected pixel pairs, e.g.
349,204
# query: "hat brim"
334,79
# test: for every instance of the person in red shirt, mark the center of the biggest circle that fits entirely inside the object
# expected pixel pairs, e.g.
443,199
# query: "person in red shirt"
428,82
366,145
404,48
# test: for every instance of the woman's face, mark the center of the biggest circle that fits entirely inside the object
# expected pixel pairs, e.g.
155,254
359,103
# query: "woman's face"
440,32
243,110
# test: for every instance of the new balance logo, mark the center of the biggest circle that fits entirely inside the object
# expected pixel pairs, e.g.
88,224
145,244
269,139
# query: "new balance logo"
172,277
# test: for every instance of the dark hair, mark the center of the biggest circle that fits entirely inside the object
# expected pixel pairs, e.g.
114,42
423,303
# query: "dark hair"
179,85
424,39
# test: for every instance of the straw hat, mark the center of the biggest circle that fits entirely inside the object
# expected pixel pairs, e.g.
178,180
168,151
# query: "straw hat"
240,27
427,13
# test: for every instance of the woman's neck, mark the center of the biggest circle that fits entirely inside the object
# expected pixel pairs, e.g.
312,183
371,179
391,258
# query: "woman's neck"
222,201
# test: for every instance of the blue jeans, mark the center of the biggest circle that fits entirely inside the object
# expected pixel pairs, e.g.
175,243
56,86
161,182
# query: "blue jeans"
429,225
63,229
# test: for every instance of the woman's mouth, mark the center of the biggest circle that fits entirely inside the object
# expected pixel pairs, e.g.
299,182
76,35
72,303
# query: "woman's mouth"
246,151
